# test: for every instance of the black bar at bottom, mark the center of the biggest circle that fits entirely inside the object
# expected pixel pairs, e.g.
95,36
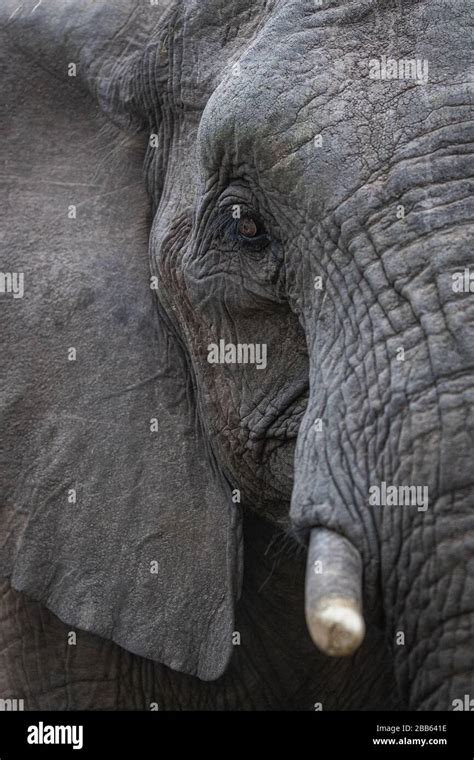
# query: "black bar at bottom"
142,734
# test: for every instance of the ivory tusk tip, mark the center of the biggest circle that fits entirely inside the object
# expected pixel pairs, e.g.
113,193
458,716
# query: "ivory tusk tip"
336,626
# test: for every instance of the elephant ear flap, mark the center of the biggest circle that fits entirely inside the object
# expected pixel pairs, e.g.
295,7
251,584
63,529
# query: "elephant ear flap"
112,512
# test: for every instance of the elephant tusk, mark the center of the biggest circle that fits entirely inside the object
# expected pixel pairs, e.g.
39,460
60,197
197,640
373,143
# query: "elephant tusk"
333,599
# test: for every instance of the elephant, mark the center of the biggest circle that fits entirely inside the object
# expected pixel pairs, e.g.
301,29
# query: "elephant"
237,426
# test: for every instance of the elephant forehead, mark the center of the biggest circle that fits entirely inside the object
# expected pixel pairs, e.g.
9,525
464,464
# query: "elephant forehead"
260,94
301,111
286,109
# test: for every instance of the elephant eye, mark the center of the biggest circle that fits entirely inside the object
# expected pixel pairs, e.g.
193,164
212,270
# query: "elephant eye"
247,228
251,233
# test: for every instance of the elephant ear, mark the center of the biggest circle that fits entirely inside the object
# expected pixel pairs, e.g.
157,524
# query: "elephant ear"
113,514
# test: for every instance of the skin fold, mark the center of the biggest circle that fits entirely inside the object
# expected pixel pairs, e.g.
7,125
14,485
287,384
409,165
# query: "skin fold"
237,175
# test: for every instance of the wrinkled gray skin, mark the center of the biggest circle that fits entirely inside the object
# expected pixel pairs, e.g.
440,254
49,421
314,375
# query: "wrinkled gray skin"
329,211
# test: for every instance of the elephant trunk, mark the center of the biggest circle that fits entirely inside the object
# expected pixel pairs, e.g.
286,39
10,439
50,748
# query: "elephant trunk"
428,601
384,453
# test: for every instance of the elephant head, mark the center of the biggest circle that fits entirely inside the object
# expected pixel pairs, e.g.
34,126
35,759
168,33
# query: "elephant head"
267,322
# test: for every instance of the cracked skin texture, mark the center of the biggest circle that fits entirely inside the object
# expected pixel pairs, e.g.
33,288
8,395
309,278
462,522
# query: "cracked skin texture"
330,212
